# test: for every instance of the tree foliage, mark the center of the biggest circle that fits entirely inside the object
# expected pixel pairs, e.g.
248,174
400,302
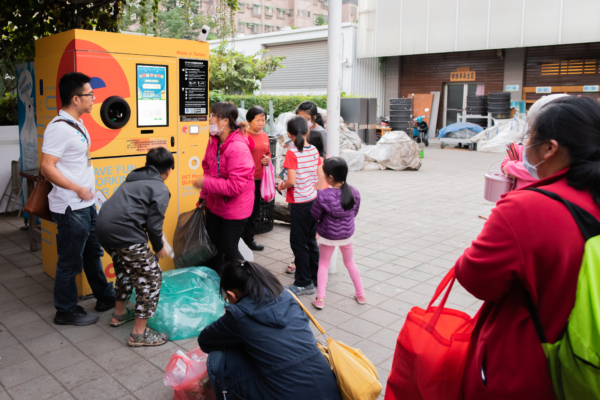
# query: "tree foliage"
232,72
23,21
178,19
320,20
281,104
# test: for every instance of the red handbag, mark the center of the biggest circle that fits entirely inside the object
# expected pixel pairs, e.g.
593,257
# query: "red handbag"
431,351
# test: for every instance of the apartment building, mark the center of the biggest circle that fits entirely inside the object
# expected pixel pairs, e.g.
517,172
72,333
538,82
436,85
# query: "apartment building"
264,16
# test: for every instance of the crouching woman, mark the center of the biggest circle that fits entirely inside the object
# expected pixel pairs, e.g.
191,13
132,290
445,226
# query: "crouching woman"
262,347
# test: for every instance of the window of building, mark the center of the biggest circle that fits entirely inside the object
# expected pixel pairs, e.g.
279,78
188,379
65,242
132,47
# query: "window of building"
257,28
281,13
325,3
242,8
269,28
302,13
570,67
241,27
256,10
268,11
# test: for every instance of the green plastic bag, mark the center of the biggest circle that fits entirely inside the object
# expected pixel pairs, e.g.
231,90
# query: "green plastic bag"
189,301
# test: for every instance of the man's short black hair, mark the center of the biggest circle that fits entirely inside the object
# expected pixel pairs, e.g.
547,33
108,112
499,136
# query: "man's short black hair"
161,159
70,85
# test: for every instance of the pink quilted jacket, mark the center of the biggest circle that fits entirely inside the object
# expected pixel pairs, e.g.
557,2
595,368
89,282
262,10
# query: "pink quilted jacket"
230,195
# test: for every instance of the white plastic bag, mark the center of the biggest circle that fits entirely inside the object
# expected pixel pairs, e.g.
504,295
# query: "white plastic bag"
245,251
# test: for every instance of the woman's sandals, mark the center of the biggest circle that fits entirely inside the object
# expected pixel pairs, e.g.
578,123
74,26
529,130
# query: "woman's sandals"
149,338
291,269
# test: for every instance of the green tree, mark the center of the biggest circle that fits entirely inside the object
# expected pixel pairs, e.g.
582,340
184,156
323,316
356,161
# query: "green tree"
233,72
320,20
23,21
179,19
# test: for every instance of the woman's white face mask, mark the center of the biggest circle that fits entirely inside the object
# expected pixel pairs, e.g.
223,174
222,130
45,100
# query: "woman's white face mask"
532,169
214,129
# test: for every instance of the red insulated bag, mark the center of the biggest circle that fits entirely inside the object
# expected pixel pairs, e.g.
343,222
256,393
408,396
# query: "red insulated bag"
431,351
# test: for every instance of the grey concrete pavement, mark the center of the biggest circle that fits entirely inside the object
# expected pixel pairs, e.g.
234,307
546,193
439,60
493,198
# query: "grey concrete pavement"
411,228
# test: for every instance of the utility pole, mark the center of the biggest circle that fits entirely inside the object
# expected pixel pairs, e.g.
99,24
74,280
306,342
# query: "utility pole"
334,77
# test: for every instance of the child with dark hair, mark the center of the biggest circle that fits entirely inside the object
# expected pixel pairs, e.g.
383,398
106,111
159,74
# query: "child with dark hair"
335,209
302,162
263,348
131,216
309,111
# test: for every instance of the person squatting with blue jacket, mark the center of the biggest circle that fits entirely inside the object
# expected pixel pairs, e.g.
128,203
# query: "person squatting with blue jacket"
262,347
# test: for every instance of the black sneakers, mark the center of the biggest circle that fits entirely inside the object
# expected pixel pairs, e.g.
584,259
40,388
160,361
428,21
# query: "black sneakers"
105,304
255,246
77,317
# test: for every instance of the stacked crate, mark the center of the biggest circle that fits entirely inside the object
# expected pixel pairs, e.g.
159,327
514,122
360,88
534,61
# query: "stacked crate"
401,118
499,105
477,105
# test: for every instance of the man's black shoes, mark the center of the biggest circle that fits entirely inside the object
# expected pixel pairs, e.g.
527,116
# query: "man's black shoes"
255,246
77,317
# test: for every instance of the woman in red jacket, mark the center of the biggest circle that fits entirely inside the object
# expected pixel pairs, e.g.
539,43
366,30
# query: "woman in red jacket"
531,246
228,183
261,154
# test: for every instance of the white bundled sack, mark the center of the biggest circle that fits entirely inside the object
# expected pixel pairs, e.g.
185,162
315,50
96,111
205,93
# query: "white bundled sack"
354,159
395,150
504,134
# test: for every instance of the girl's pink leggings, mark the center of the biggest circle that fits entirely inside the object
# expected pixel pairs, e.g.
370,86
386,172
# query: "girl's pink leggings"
325,254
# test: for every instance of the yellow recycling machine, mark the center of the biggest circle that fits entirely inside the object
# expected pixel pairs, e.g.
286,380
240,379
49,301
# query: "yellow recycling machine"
150,92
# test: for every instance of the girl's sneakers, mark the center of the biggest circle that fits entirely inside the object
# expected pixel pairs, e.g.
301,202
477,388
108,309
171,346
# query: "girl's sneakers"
360,299
319,303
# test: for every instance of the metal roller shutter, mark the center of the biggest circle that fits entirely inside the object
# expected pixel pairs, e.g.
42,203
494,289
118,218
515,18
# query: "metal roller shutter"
305,66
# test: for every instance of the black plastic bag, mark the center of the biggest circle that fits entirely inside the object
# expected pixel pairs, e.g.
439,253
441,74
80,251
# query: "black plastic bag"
191,244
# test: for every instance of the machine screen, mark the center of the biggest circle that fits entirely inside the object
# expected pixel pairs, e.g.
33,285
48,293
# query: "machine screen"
152,98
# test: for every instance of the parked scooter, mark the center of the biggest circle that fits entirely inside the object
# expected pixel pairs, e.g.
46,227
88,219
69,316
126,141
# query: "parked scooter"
421,130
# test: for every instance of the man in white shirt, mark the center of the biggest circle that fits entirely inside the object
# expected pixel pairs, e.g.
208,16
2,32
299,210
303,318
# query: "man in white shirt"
66,162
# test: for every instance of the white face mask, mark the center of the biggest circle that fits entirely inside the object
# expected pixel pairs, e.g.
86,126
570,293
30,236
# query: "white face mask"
214,130
532,169
310,124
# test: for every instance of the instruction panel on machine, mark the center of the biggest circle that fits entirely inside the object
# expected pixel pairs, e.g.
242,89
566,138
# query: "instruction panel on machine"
193,83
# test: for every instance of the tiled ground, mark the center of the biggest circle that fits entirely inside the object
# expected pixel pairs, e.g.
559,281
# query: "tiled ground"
411,228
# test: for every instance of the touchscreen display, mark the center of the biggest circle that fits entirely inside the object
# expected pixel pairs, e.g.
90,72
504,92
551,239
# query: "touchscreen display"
152,99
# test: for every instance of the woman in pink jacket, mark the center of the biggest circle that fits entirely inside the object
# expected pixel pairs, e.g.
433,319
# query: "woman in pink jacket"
227,187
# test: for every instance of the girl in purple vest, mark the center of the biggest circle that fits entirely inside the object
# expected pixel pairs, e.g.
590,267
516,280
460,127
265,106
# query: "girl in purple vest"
335,209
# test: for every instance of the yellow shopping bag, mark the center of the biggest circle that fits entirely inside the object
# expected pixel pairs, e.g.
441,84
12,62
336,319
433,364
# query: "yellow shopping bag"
356,375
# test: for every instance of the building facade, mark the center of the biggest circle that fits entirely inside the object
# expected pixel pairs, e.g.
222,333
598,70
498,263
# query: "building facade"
265,16
305,63
457,48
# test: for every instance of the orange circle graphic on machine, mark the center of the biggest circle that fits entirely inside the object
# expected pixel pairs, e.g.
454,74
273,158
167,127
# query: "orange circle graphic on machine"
184,129
107,79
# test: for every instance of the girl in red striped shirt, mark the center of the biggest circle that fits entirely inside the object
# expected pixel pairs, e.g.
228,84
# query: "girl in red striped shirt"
302,162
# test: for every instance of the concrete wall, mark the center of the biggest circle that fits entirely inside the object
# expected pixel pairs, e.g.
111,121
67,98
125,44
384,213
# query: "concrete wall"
359,78
392,81
405,27
514,68
9,151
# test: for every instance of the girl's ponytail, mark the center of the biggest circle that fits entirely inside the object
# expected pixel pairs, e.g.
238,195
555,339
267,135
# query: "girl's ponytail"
319,120
347,197
250,279
298,127
337,168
